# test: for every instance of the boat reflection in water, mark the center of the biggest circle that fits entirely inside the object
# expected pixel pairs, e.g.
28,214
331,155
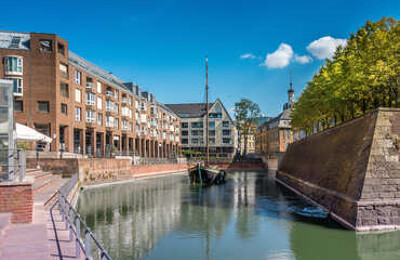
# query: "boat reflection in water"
250,217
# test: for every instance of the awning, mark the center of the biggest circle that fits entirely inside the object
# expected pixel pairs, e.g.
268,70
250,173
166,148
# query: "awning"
28,134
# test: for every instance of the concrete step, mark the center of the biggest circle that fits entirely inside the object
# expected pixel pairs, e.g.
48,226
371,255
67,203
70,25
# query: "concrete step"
46,193
32,171
44,181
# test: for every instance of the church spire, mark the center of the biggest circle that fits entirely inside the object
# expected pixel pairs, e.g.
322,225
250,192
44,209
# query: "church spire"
290,102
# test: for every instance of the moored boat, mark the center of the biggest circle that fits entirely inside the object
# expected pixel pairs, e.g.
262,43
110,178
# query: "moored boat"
206,175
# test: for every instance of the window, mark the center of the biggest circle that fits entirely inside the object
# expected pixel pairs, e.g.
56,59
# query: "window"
99,119
109,106
226,132
109,121
63,70
211,124
215,115
226,140
197,125
184,125
90,99
78,95
77,114
212,140
185,141
98,87
225,123
61,48
18,106
13,65
90,116
78,77
64,109
99,103
116,123
64,90
18,86
46,46
184,132
89,83
211,132
43,106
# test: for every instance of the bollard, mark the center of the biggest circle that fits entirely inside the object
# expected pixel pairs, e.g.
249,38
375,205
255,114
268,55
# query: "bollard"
78,234
87,243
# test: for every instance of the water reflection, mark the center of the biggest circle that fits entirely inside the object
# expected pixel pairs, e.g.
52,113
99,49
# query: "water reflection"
250,217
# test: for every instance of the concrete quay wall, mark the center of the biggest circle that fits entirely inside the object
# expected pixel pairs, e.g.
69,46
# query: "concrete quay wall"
352,170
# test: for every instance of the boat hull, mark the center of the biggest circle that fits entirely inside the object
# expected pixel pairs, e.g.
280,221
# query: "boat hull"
206,176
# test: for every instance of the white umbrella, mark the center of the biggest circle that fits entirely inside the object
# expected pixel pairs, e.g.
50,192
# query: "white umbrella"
28,134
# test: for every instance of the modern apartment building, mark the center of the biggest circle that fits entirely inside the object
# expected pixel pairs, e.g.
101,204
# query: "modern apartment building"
222,130
83,108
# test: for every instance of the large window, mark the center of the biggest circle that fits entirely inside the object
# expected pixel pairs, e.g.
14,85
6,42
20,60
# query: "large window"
109,121
90,116
13,65
226,140
18,86
78,95
99,103
78,77
211,124
64,90
225,123
184,125
43,106
61,48
18,106
90,99
197,125
63,70
77,114
226,132
64,109
99,119
98,87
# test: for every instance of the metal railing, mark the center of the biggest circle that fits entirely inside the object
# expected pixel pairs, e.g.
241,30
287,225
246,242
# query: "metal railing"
75,225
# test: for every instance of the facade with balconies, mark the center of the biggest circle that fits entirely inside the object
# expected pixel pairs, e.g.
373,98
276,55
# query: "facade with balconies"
83,108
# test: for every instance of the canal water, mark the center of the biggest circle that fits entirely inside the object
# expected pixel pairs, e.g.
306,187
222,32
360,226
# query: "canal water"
249,217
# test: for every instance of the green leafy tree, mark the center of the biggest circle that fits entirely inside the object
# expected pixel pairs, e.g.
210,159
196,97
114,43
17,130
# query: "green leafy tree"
247,113
361,77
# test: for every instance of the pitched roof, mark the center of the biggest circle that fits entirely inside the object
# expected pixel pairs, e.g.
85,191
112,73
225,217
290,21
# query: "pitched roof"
190,109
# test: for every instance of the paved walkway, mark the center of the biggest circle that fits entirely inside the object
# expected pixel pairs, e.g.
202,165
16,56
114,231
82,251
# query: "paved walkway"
38,240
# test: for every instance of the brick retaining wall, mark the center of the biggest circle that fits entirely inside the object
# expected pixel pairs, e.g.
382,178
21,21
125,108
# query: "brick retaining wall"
17,198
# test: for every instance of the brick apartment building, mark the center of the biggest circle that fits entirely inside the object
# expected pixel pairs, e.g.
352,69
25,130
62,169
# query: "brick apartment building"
85,109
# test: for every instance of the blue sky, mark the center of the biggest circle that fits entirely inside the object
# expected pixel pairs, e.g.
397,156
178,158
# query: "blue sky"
161,45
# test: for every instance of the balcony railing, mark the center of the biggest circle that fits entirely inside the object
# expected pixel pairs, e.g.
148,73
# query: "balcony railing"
89,85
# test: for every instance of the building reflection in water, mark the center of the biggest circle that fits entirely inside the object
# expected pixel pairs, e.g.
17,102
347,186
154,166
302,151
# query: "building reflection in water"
248,217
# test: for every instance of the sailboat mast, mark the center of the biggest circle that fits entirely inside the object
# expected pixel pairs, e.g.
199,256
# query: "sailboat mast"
207,117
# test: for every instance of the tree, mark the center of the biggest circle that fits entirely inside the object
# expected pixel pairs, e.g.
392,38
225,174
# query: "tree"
361,77
247,113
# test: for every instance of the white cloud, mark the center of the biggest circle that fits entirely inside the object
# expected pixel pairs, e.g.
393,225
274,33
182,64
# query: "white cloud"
279,58
302,59
247,56
325,47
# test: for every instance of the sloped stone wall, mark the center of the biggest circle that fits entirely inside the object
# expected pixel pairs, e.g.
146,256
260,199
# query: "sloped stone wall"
352,170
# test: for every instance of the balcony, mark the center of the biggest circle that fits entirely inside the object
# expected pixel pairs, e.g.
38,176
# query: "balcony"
89,85
124,101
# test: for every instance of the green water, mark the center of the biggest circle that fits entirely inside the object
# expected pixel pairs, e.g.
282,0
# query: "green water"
249,217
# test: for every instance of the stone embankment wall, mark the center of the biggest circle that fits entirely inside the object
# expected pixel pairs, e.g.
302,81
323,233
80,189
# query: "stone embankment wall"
17,198
96,170
352,170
